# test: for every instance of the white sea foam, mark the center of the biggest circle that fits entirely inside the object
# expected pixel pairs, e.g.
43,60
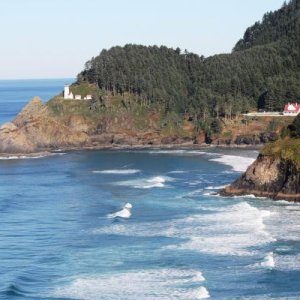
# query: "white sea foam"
285,223
190,194
203,293
215,187
283,202
238,163
146,183
123,213
232,230
16,157
198,277
117,171
281,262
211,194
178,172
147,284
268,261
178,152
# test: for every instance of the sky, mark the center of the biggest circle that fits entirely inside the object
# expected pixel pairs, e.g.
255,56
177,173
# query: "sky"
54,38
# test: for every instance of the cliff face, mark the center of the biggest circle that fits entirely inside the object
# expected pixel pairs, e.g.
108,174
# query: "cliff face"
69,124
268,176
34,129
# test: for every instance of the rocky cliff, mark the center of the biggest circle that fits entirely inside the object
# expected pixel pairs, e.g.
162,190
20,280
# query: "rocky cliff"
69,124
34,130
274,175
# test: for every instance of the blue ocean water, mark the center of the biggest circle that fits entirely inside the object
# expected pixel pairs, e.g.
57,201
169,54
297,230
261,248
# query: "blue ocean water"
67,233
14,94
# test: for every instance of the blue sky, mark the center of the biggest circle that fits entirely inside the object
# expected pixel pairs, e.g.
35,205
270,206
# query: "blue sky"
54,38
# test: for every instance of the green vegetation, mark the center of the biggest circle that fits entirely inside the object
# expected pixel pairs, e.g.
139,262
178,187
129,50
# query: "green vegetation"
262,72
294,128
61,108
287,147
176,92
83,89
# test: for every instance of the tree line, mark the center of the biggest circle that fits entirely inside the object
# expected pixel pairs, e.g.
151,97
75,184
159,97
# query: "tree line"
262,72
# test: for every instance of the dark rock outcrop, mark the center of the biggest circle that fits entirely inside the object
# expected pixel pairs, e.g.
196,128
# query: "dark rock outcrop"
268,176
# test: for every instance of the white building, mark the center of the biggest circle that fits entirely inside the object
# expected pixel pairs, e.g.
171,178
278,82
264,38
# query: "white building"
291,109
67,93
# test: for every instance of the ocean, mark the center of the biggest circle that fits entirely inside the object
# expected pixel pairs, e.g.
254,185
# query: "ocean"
14,94
142,224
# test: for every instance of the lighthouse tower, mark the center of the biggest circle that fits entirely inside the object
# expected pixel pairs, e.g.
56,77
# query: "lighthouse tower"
67,93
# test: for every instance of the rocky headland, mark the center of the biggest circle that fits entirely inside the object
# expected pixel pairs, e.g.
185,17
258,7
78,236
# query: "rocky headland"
70,124
67,125
275,173
269,177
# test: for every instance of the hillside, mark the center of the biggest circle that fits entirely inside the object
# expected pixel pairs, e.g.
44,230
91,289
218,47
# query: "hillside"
263,71
162,96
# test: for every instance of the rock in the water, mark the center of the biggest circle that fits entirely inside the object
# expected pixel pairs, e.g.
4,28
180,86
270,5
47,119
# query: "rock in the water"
268,176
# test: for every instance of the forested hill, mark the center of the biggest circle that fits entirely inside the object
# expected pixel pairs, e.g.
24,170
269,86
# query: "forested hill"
282,26
263,71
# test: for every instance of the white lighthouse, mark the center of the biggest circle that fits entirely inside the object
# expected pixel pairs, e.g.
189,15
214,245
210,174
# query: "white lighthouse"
67,93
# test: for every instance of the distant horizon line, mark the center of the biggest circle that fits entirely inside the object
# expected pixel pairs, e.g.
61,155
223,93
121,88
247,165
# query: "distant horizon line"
27,79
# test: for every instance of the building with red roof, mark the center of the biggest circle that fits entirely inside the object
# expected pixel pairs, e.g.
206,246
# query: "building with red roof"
291,109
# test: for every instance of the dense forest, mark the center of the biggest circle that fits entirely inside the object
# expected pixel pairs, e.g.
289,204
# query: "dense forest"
262,72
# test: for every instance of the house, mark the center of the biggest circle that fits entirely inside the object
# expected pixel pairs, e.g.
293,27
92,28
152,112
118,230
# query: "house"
291,109
67,93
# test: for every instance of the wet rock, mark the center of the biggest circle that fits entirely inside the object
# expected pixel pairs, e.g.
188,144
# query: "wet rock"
268,176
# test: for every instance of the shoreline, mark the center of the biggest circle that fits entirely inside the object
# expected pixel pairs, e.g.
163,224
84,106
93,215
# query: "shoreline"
183,146
231,192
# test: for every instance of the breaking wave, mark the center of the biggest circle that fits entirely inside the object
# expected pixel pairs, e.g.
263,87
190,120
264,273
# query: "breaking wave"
146,284
117,171
238,163
16,157
153,182
268,261
233,230
125,212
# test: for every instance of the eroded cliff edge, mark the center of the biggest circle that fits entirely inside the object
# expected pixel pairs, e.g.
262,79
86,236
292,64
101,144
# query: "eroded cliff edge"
36,130
268,176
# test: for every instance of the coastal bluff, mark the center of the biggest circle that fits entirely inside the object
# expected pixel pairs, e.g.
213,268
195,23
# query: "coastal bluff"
270,177
70,124
276,171
35,130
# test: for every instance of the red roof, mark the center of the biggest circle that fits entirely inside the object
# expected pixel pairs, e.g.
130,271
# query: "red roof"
292,108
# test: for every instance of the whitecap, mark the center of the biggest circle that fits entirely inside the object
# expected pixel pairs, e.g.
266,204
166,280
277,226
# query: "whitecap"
268,261
146,183
238,163
178,172
123,213
198,277
203,293
117,171
178,152
17,157
163,284
215,187
233,230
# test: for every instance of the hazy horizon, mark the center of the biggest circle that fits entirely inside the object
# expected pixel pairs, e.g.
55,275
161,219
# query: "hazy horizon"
53,39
